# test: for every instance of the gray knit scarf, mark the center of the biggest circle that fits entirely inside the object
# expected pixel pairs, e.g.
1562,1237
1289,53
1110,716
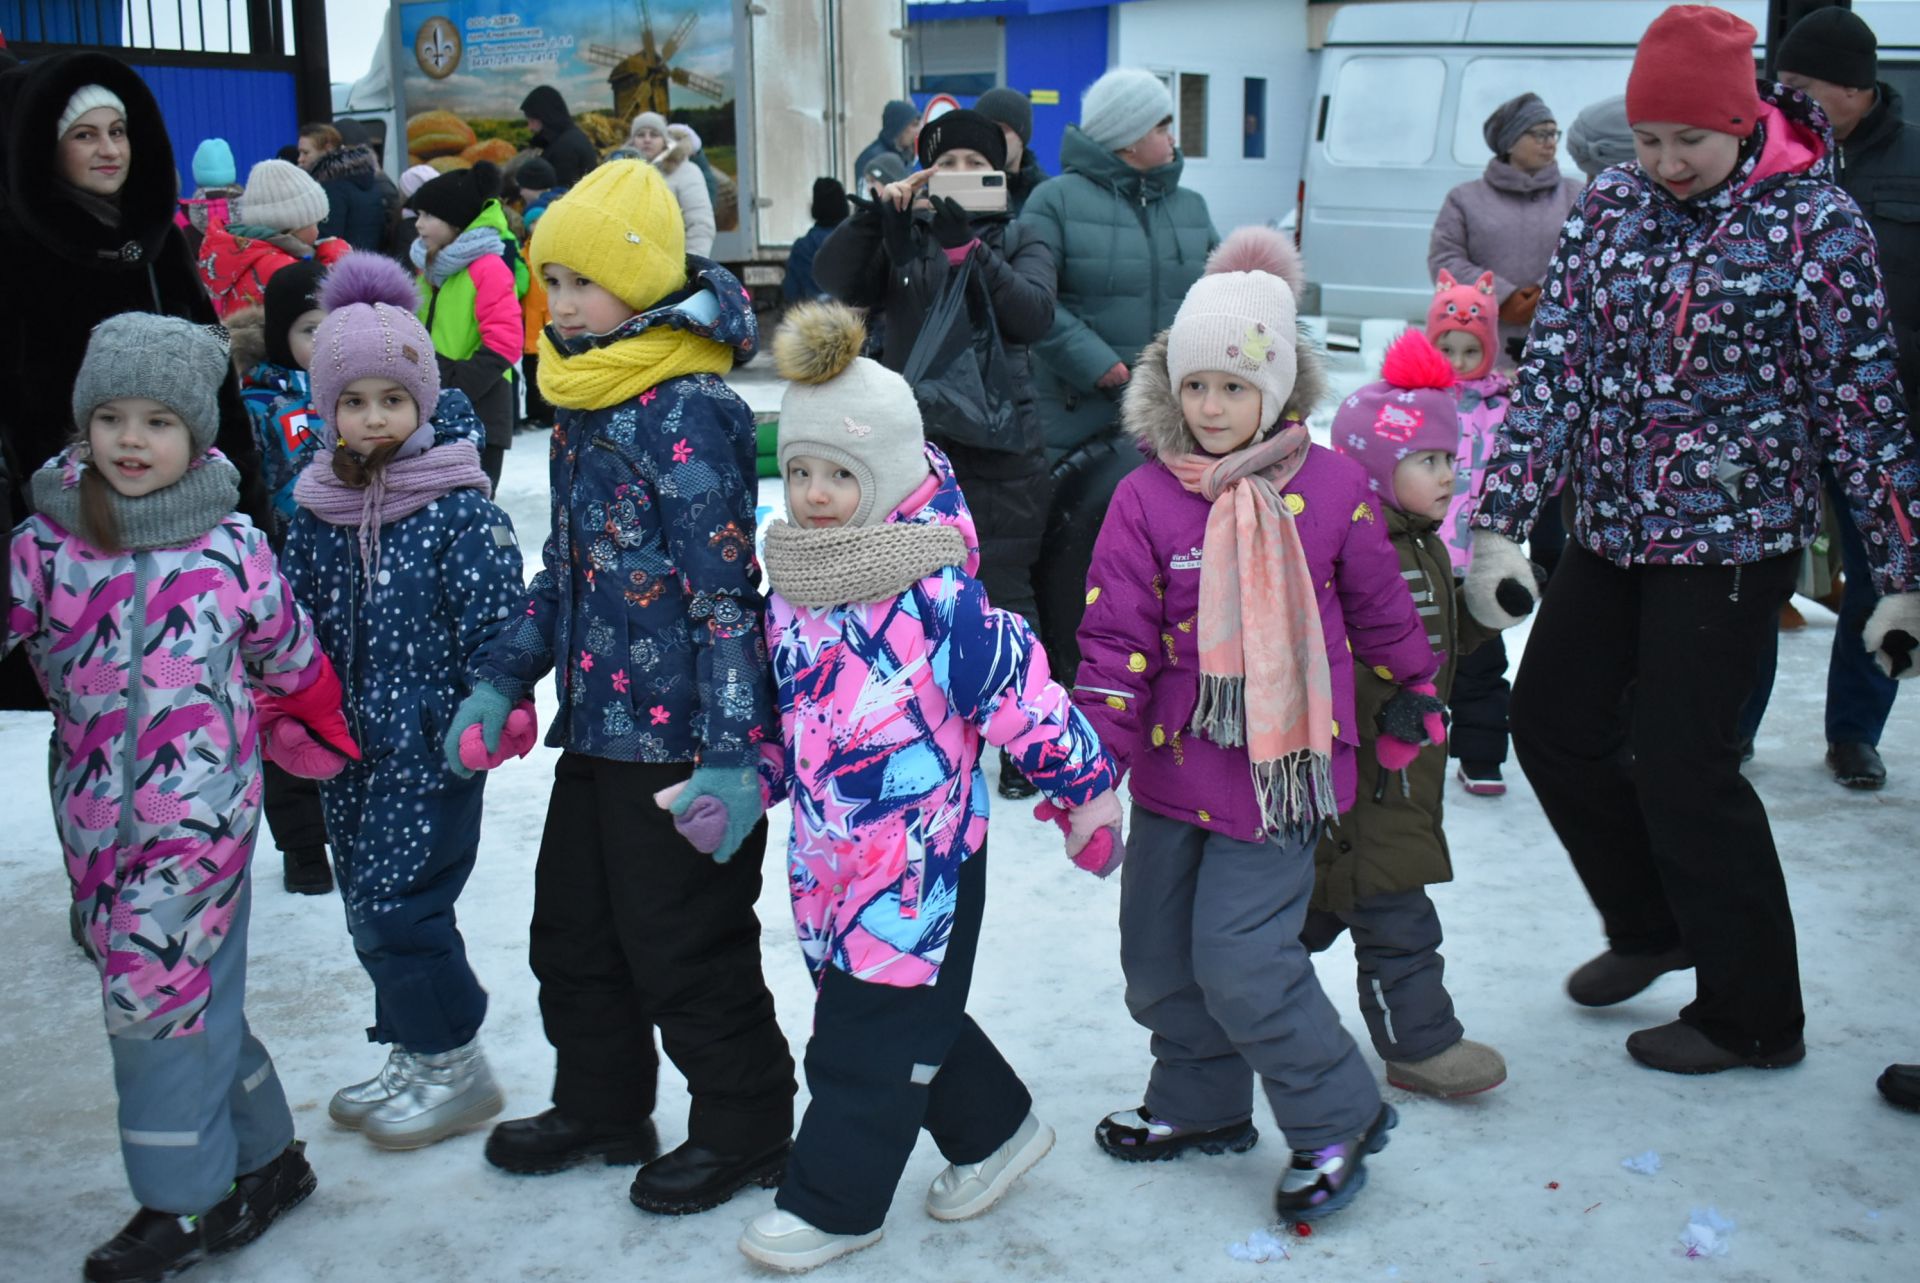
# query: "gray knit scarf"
168,518
468,248
846,564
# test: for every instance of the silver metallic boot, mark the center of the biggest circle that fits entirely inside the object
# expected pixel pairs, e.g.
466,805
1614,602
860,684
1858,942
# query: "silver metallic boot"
443,1093
351,1105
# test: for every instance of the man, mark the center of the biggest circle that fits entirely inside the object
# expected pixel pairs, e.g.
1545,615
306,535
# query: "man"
898,124
1010,109
1831,56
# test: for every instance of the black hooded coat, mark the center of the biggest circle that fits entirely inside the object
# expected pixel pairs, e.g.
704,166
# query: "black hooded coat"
564,144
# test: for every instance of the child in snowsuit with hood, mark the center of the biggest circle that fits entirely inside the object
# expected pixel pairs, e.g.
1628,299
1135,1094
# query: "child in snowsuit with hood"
648,606
275,224
271,348
1463,321
396,541
1373,867
874,590
471,280
148,609
1230,574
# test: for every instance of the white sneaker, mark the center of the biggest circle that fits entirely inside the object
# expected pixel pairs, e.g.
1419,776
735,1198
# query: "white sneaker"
964,1191
788,1244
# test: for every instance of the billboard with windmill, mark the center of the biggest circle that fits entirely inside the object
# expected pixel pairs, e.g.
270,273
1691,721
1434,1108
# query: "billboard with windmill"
466,65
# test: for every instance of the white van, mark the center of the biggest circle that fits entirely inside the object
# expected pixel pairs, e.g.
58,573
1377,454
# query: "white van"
1404,88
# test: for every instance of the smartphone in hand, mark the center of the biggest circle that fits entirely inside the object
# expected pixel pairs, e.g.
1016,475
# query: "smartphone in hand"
977,191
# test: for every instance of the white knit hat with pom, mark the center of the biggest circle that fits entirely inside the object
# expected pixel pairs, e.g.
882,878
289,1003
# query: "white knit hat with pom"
1240,318
847,409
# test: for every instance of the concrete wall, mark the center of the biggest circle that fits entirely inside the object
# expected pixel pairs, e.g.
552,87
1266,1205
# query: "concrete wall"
1229,40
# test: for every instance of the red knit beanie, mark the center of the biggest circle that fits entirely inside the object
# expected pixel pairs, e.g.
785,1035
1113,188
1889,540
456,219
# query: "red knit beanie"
1695,67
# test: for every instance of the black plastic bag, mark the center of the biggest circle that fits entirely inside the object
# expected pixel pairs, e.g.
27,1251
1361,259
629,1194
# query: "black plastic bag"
959,369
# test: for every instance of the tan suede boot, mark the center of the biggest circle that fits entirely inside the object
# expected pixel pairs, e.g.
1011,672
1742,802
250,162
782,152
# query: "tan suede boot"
1461,1070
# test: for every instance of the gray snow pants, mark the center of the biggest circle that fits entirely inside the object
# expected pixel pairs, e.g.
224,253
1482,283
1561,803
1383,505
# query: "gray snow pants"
199,1110
1402,977
1210,944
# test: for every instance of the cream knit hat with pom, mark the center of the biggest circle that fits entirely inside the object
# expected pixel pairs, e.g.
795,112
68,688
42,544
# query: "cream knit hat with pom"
1240,318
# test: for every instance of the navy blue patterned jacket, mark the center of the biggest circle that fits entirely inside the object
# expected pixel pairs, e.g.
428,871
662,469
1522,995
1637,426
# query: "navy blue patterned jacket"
649,605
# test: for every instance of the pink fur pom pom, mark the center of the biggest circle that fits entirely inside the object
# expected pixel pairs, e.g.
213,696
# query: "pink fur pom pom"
1259,249
366,277
1414,362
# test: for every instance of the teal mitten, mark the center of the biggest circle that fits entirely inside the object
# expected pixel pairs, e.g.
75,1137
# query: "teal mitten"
486,708
737,788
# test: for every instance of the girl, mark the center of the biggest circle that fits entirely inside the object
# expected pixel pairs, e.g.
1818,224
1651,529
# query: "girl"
276,223
272,347
1372,871
873,583
1713,332
1241,732
671,149
471,280
1463,322
649,606
897,255
145,604
396,539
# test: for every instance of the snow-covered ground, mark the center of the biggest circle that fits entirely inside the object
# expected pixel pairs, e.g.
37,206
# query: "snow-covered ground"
1524,1183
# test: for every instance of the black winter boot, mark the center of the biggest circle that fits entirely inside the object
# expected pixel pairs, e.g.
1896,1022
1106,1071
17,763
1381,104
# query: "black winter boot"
1858,766
693,1178
1615,977
1900,1084
305,871
1014,786
552,1142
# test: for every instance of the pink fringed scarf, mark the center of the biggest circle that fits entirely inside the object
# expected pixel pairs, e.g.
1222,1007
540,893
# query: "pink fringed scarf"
1265,687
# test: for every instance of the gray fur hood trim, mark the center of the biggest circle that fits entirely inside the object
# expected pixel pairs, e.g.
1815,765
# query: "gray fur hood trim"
1150,409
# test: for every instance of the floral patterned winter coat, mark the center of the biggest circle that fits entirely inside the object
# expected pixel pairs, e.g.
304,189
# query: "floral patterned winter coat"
649,602
145,658
1694,364
883,706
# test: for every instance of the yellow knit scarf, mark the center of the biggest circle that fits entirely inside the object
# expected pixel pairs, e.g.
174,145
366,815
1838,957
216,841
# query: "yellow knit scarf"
607,376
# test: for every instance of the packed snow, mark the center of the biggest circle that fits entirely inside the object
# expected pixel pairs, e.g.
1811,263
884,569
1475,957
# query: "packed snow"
1523,1183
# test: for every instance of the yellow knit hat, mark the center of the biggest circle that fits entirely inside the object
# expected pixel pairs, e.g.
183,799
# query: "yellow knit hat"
620,228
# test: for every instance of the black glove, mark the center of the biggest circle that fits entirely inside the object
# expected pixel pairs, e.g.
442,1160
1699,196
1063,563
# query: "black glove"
951,225
896,232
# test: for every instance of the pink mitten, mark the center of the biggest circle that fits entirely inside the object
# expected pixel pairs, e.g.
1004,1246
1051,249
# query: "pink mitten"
705,823
1395,754
1092,832
517,739
288,744
1412,720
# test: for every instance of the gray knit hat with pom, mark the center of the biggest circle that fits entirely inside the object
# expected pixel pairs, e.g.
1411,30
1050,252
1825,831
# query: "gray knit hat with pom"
176,362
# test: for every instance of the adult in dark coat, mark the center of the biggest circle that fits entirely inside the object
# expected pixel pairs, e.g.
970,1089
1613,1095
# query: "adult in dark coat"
1830,55
894,255
564,144
1013,112
80,256
349,172
897,124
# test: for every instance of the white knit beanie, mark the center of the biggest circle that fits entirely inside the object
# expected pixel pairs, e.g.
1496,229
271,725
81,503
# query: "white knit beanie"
1240,318
1123,106
84,100
283,196
648,120
847,409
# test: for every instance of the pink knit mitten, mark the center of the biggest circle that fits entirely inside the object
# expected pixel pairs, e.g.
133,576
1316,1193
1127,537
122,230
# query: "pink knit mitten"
1092,832
517,739
705,823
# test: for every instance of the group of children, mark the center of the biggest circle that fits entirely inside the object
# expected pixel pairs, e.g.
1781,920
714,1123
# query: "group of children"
1269,633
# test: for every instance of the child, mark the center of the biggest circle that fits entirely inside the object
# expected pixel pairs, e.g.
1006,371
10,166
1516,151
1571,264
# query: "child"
539,188
1374,867
470,296
396,539
648,604
215,189
276,223
1240,732
146,604
872,584
1463,321
829,210
272,346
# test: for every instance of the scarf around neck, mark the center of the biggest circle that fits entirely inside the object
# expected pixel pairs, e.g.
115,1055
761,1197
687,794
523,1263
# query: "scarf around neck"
190,507
466,249
1265,683
397,491
622,368
843,565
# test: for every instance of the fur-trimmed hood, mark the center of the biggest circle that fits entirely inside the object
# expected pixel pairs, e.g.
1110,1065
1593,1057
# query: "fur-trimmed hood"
353,164
1150,410
34,97
682,143
247,337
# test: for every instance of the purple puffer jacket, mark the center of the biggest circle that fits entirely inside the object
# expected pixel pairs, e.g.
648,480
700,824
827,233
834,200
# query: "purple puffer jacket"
1139,674
1507,222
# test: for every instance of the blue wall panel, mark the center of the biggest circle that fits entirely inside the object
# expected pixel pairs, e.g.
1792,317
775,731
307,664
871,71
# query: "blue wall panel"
1064,52
91,22
255,111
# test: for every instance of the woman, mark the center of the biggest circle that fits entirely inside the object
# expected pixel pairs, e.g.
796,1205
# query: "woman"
88,215
894,255
350,175
1128,241
670,148
1506,220
1712,332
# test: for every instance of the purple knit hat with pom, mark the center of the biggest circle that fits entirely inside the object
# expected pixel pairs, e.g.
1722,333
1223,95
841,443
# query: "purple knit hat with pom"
371,332
1413,407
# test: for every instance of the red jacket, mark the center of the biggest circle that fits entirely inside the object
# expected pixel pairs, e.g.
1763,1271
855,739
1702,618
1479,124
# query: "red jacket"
235,269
